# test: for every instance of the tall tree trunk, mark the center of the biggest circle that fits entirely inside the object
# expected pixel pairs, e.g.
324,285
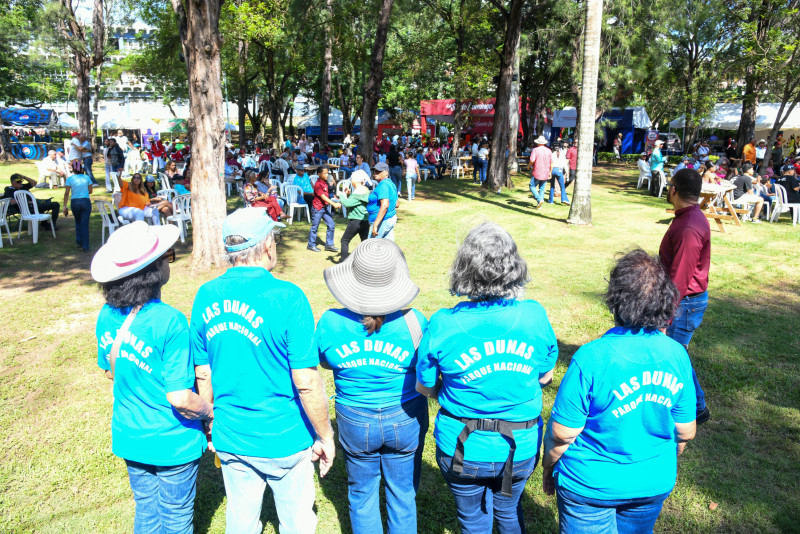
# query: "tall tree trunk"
513,118
274,102
242,49
581,210
524,118
325,105
82,69
747,123
498,166
372,89
198,24
96,114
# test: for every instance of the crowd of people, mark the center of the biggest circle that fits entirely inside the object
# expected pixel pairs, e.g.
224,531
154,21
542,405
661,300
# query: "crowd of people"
241,379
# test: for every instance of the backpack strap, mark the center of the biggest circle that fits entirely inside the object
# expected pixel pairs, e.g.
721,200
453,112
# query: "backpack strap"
413,327
123,330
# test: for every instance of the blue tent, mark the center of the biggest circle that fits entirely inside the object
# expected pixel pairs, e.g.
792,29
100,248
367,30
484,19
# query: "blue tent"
27,117
632,123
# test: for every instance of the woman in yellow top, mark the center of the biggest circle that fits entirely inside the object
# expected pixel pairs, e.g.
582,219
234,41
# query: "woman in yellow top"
135,202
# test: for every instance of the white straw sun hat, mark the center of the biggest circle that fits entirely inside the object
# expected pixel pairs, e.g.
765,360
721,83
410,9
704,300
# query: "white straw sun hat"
540,140
373,280
132,248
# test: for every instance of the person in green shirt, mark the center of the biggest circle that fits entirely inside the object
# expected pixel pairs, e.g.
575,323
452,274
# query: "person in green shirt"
356,204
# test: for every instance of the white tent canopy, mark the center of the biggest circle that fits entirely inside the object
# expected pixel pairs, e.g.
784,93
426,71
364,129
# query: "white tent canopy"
727,117
335,118
67,122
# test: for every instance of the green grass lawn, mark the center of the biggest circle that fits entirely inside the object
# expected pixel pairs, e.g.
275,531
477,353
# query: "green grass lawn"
58,473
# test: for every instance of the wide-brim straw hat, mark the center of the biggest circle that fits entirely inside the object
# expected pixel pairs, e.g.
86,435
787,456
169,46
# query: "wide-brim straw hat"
373,280
132,248
540,140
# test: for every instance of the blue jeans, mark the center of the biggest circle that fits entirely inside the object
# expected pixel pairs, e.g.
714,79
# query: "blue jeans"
385,229
475,165
558,174
291,480
483,165
687,318
388,441
583,515
537,188
396,176
164,497
477,494
321,215
411,185
81,209
431,169
87,168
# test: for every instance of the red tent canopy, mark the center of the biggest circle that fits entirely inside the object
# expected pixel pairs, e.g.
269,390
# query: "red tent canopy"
481,112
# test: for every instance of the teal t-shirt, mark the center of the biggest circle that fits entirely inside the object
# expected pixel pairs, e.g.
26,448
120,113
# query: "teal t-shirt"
384,189
490,356
153,360
253,329
369,371
181,189
79,185
627,389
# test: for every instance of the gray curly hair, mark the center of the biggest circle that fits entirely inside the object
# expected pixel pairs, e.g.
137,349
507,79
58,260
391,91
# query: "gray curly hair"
488,265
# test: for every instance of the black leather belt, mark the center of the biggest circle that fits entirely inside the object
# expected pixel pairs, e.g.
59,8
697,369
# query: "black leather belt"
505,428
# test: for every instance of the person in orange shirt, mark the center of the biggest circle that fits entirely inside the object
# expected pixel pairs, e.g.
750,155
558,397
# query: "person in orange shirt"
135,203
749,152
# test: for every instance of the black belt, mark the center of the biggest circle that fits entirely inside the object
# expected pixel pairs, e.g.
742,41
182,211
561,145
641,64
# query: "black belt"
505,428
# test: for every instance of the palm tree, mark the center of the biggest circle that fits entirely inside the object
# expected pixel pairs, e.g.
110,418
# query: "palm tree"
581,210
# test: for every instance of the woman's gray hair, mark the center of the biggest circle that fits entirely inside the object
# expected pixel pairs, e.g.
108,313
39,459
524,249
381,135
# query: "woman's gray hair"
250,255
488,265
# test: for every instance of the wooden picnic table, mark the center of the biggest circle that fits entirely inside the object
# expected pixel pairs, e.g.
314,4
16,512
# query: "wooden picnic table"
713,194
315,167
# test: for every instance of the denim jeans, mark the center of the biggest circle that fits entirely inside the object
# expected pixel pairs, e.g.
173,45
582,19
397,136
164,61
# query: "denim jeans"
583,515
396,176
483,165
475,167
386,441
411,185
477,494
537,188
87,168
558,174
164,497
321,215
81,209
688,317
434,172
291,480
385,229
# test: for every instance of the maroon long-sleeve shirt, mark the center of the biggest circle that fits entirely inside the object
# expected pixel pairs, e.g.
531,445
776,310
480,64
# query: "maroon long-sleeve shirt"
686,250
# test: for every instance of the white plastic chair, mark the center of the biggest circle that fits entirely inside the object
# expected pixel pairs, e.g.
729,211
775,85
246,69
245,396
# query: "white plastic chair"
4,204
32,217
165,183
291,193
276,183
167,194
456,169
781,206
644,175
313,179
181,213
109,216
662,182
340,187
424,173
117,197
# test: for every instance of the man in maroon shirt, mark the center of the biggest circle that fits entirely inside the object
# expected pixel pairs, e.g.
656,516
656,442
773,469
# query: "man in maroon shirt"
321,210
572,157
686,254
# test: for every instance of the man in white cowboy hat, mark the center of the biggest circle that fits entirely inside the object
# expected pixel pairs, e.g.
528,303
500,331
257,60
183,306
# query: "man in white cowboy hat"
254,336
541,169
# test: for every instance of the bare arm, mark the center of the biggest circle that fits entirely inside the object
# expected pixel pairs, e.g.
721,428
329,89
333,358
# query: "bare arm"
685,431
381,214
190,405
557,440
546,379
202,374
315,403
66,199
